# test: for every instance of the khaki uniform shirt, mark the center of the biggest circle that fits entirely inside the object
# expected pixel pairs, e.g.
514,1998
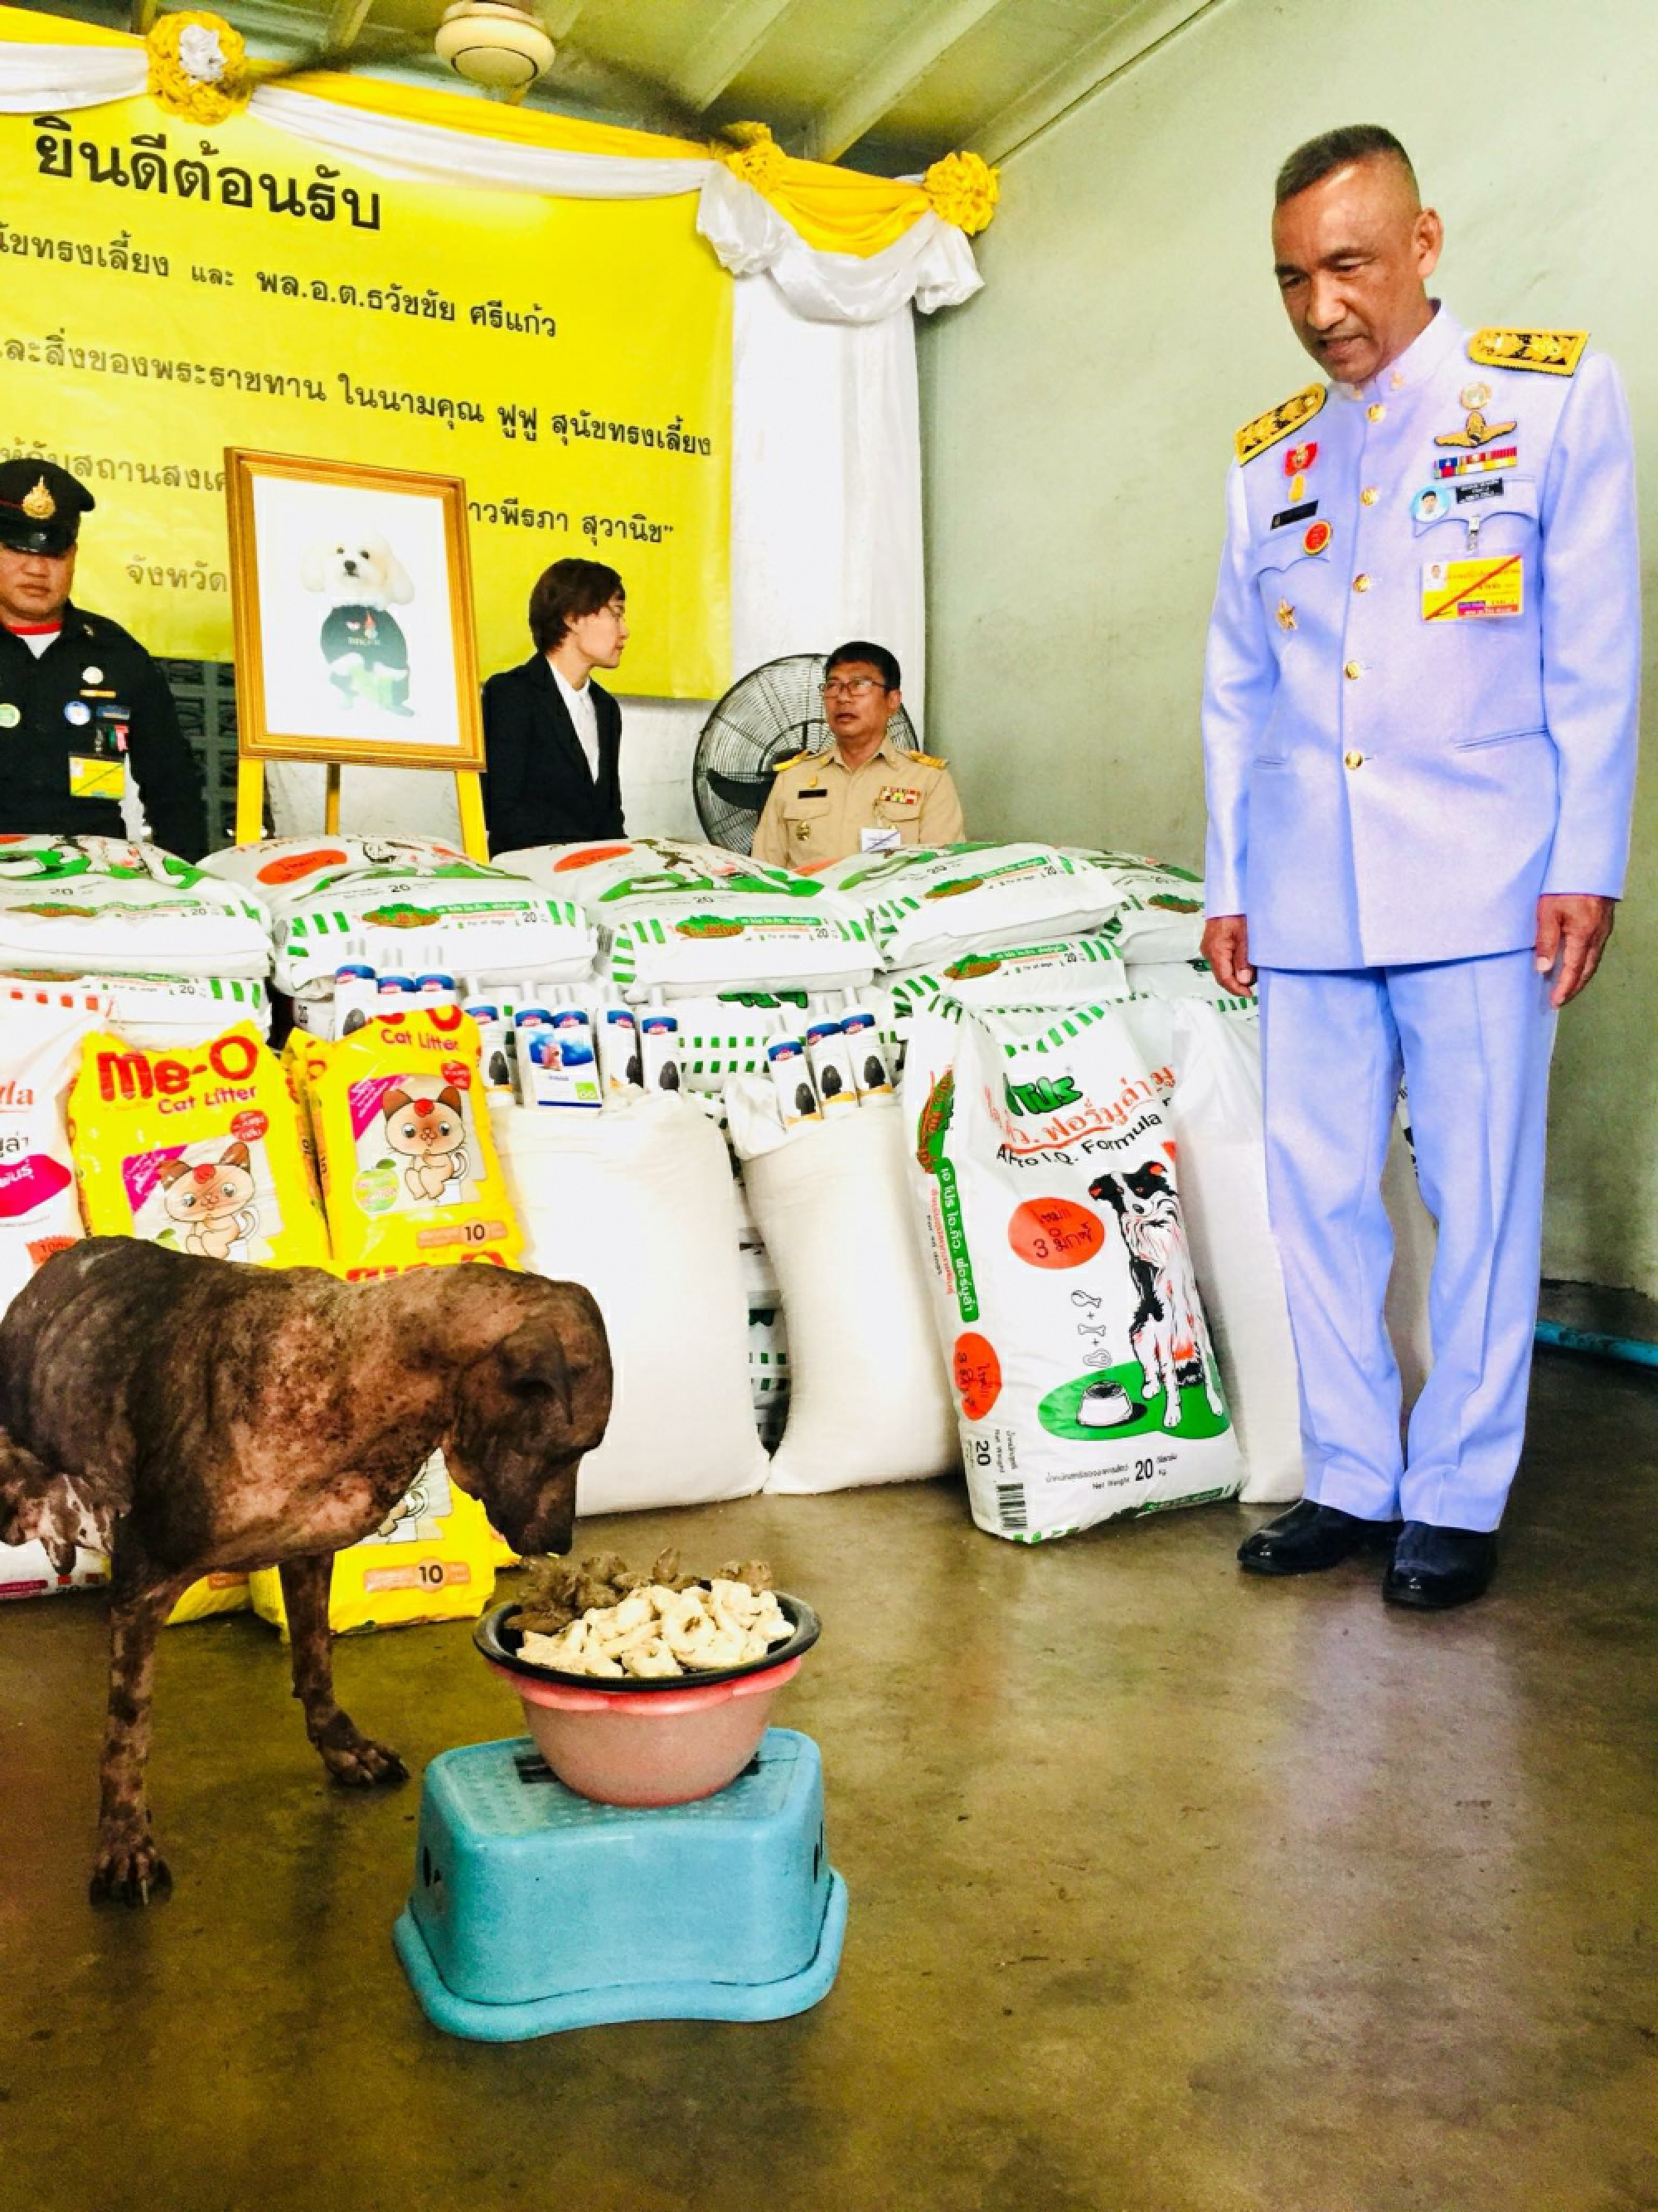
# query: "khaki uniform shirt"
819,808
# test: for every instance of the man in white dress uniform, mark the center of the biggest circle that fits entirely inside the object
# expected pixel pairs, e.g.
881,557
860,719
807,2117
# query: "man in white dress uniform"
1419,733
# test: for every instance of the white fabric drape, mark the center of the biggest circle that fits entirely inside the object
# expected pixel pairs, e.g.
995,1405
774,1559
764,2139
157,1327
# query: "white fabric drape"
426,155
931,266
826,544
49,80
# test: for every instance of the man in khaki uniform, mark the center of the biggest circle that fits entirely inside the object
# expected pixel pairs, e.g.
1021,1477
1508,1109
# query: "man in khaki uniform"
864,795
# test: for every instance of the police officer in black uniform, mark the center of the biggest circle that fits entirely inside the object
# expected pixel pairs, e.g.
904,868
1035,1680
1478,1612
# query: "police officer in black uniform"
83,707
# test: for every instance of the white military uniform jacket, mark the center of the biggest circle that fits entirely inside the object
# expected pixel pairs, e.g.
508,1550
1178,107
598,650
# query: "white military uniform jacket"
1422,684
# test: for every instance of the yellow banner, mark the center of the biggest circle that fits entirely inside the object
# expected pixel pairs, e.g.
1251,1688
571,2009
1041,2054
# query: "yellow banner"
166,292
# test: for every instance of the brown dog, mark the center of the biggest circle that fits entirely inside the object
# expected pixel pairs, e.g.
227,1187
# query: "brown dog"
190,1415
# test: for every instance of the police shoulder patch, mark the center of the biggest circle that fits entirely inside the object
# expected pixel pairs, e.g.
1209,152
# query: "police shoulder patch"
1279,421
928,760
1556,352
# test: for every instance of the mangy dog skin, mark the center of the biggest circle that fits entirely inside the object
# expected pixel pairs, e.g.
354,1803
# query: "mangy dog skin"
188,1415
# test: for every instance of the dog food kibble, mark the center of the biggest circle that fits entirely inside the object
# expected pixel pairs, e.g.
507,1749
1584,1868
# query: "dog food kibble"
659,1624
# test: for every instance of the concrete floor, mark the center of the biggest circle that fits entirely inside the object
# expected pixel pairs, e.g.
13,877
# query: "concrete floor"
1172,1890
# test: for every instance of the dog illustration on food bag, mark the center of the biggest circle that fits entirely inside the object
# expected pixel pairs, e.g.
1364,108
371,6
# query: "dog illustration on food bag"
212,1201
430,1133
365,649
1168,1334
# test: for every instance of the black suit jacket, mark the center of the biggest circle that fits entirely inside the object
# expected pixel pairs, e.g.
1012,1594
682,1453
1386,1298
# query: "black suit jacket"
537,788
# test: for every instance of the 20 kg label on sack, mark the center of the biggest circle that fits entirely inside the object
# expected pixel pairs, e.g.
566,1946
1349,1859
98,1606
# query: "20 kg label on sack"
1086,1380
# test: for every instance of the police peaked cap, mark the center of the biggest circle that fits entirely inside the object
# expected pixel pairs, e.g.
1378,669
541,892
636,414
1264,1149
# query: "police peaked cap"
40,507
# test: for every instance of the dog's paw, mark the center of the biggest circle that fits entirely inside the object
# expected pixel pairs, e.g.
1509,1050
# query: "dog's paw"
130,1874
363,1765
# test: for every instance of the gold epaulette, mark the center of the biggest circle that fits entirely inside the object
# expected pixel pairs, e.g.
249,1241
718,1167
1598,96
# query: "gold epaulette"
928,760
1278,422
1557,353
793,761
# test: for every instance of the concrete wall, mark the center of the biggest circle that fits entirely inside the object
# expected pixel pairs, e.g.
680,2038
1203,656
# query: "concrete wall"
1079,414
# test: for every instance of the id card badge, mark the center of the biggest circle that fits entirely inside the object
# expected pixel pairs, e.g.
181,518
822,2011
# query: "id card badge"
880,841
92,778
1474,590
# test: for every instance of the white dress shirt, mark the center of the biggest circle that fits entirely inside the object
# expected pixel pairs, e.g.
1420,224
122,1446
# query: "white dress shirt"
583,714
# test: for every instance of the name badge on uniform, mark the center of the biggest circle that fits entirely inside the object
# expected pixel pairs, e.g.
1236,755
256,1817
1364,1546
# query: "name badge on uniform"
1474,591
90,778
880,841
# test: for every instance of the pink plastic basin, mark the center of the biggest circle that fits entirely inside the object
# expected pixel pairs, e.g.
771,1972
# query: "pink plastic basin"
622,1749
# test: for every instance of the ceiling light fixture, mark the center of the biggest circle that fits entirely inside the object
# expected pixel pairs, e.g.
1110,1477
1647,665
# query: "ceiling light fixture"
494,44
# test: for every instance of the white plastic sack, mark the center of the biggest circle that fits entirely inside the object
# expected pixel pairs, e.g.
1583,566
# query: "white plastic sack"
1183,979
1063,972
869,1399
1159,910
929,903
1213,1054
1044,1168
100,906
40,1055
402,903
636,1202
154,1013
688,920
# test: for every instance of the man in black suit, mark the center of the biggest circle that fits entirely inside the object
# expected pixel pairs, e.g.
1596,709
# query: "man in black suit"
552,738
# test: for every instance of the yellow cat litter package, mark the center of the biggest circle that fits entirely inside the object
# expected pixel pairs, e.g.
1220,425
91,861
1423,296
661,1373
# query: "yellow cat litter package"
200,1150
410,1176
214,1593
429,1560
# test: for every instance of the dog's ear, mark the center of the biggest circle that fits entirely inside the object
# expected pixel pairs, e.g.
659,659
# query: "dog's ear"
450,1097
399,589
233,1155
528,1409
313,573
38,1507
393,1103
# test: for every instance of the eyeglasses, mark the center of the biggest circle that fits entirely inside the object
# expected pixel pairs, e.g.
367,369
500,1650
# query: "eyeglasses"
851,686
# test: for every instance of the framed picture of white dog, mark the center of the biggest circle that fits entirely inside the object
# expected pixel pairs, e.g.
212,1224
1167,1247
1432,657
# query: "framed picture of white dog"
353,605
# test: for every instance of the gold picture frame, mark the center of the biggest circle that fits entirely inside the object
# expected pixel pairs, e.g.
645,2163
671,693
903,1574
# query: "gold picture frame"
323,556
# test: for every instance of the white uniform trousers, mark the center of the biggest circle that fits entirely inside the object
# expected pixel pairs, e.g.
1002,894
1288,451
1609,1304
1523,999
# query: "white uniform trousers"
1471,1039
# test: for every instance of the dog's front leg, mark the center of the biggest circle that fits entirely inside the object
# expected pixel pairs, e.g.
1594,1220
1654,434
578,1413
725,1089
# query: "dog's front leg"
349,1755
128,1866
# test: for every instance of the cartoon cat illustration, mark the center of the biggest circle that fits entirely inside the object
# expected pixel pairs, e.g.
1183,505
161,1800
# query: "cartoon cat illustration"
430,1134
212,1202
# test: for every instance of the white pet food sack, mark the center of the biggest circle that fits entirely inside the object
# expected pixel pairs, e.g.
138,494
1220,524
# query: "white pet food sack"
930,904
152,1011
1067,972
688,920
98,906
726,1034
869,1398
40,1057
398,904
1064,1286
1157,910
636,1203
1213,1054
1184,979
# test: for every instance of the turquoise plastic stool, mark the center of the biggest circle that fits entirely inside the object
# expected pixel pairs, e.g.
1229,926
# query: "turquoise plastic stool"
534,1910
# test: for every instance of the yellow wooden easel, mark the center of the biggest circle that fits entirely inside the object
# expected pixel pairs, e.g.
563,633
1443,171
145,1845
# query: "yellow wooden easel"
250,805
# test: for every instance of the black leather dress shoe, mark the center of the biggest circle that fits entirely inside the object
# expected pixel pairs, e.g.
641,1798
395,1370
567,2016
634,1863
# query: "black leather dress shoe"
1308,1538
1433,1568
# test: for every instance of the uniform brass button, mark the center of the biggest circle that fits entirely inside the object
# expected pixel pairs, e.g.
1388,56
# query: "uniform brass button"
1369,494
1351,671
1375,411
1361,583
1353,760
